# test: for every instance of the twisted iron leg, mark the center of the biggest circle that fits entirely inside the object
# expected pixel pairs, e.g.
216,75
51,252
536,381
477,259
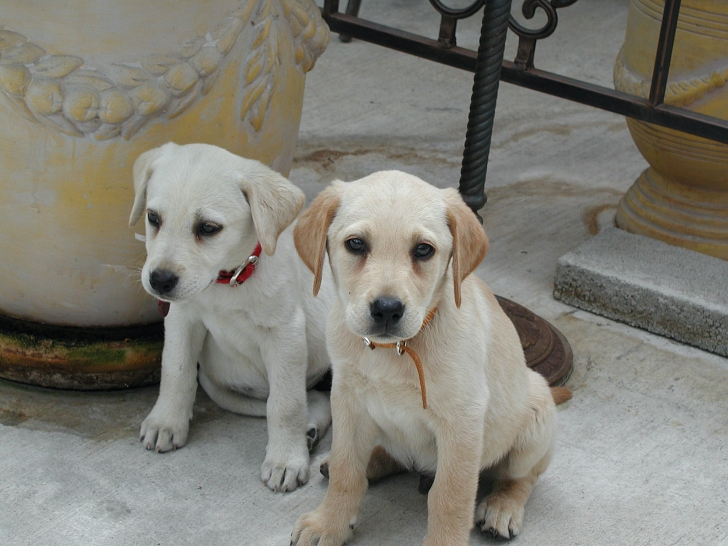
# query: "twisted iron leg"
482,104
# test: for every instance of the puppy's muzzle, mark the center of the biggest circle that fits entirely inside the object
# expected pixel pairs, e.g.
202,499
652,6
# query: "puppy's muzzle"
386,312
163,281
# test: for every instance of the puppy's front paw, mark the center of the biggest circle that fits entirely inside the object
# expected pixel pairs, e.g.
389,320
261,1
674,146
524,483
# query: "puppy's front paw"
315,529
500,516
285,473
162,433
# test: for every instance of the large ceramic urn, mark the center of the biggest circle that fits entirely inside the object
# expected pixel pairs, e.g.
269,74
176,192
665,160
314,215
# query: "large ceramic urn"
85,87
682,198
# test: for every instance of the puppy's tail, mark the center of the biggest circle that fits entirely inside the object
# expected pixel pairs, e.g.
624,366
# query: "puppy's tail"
560,394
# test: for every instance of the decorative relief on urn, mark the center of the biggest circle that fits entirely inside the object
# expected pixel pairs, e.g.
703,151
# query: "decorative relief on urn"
64,93
76,83
678,93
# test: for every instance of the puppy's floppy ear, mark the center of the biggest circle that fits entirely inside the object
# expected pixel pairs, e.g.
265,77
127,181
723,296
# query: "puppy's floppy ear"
469,242
312,228
274,202
143,169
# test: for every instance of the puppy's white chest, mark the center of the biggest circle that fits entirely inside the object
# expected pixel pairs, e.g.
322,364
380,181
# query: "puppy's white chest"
235,333
405,432
232,355
392,397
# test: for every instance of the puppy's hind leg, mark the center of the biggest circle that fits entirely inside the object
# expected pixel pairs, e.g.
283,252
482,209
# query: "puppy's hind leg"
319,417
501,512
381,464
319,407
231,401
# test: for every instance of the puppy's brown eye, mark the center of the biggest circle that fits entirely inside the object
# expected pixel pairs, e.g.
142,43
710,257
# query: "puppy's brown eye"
153,218
356,245
208,228
423,251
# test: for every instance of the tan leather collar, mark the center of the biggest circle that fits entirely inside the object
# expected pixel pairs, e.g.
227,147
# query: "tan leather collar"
402,348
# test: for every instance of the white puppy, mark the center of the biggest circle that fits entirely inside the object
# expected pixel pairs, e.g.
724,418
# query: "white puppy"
401,252
259,345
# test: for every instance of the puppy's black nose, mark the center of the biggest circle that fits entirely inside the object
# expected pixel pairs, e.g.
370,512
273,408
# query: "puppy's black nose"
386,310
163,281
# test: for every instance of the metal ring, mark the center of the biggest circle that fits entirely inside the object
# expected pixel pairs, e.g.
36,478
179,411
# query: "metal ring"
252,260
457,13
234,279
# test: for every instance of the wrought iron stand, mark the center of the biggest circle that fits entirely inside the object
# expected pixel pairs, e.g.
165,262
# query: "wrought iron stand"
546,349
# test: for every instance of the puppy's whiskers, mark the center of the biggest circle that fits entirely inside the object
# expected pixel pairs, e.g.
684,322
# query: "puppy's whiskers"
131,273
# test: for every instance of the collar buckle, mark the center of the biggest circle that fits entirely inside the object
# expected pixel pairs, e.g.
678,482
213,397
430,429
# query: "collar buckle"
251,261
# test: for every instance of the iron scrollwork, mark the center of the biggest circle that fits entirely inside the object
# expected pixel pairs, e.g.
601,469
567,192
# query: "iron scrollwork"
459,13
527,37
450,16
497,19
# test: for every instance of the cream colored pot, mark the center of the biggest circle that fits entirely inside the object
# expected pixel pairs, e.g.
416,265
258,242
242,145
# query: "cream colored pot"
682,198
88,85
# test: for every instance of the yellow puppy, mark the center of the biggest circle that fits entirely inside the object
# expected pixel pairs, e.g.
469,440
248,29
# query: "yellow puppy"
401,253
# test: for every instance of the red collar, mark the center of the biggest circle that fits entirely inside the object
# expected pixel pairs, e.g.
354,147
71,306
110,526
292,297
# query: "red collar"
239,276
242,273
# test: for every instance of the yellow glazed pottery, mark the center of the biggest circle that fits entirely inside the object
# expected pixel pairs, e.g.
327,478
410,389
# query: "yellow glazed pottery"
682,198
85,87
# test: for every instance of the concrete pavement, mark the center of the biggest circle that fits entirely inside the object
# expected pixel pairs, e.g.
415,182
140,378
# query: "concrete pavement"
642,456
